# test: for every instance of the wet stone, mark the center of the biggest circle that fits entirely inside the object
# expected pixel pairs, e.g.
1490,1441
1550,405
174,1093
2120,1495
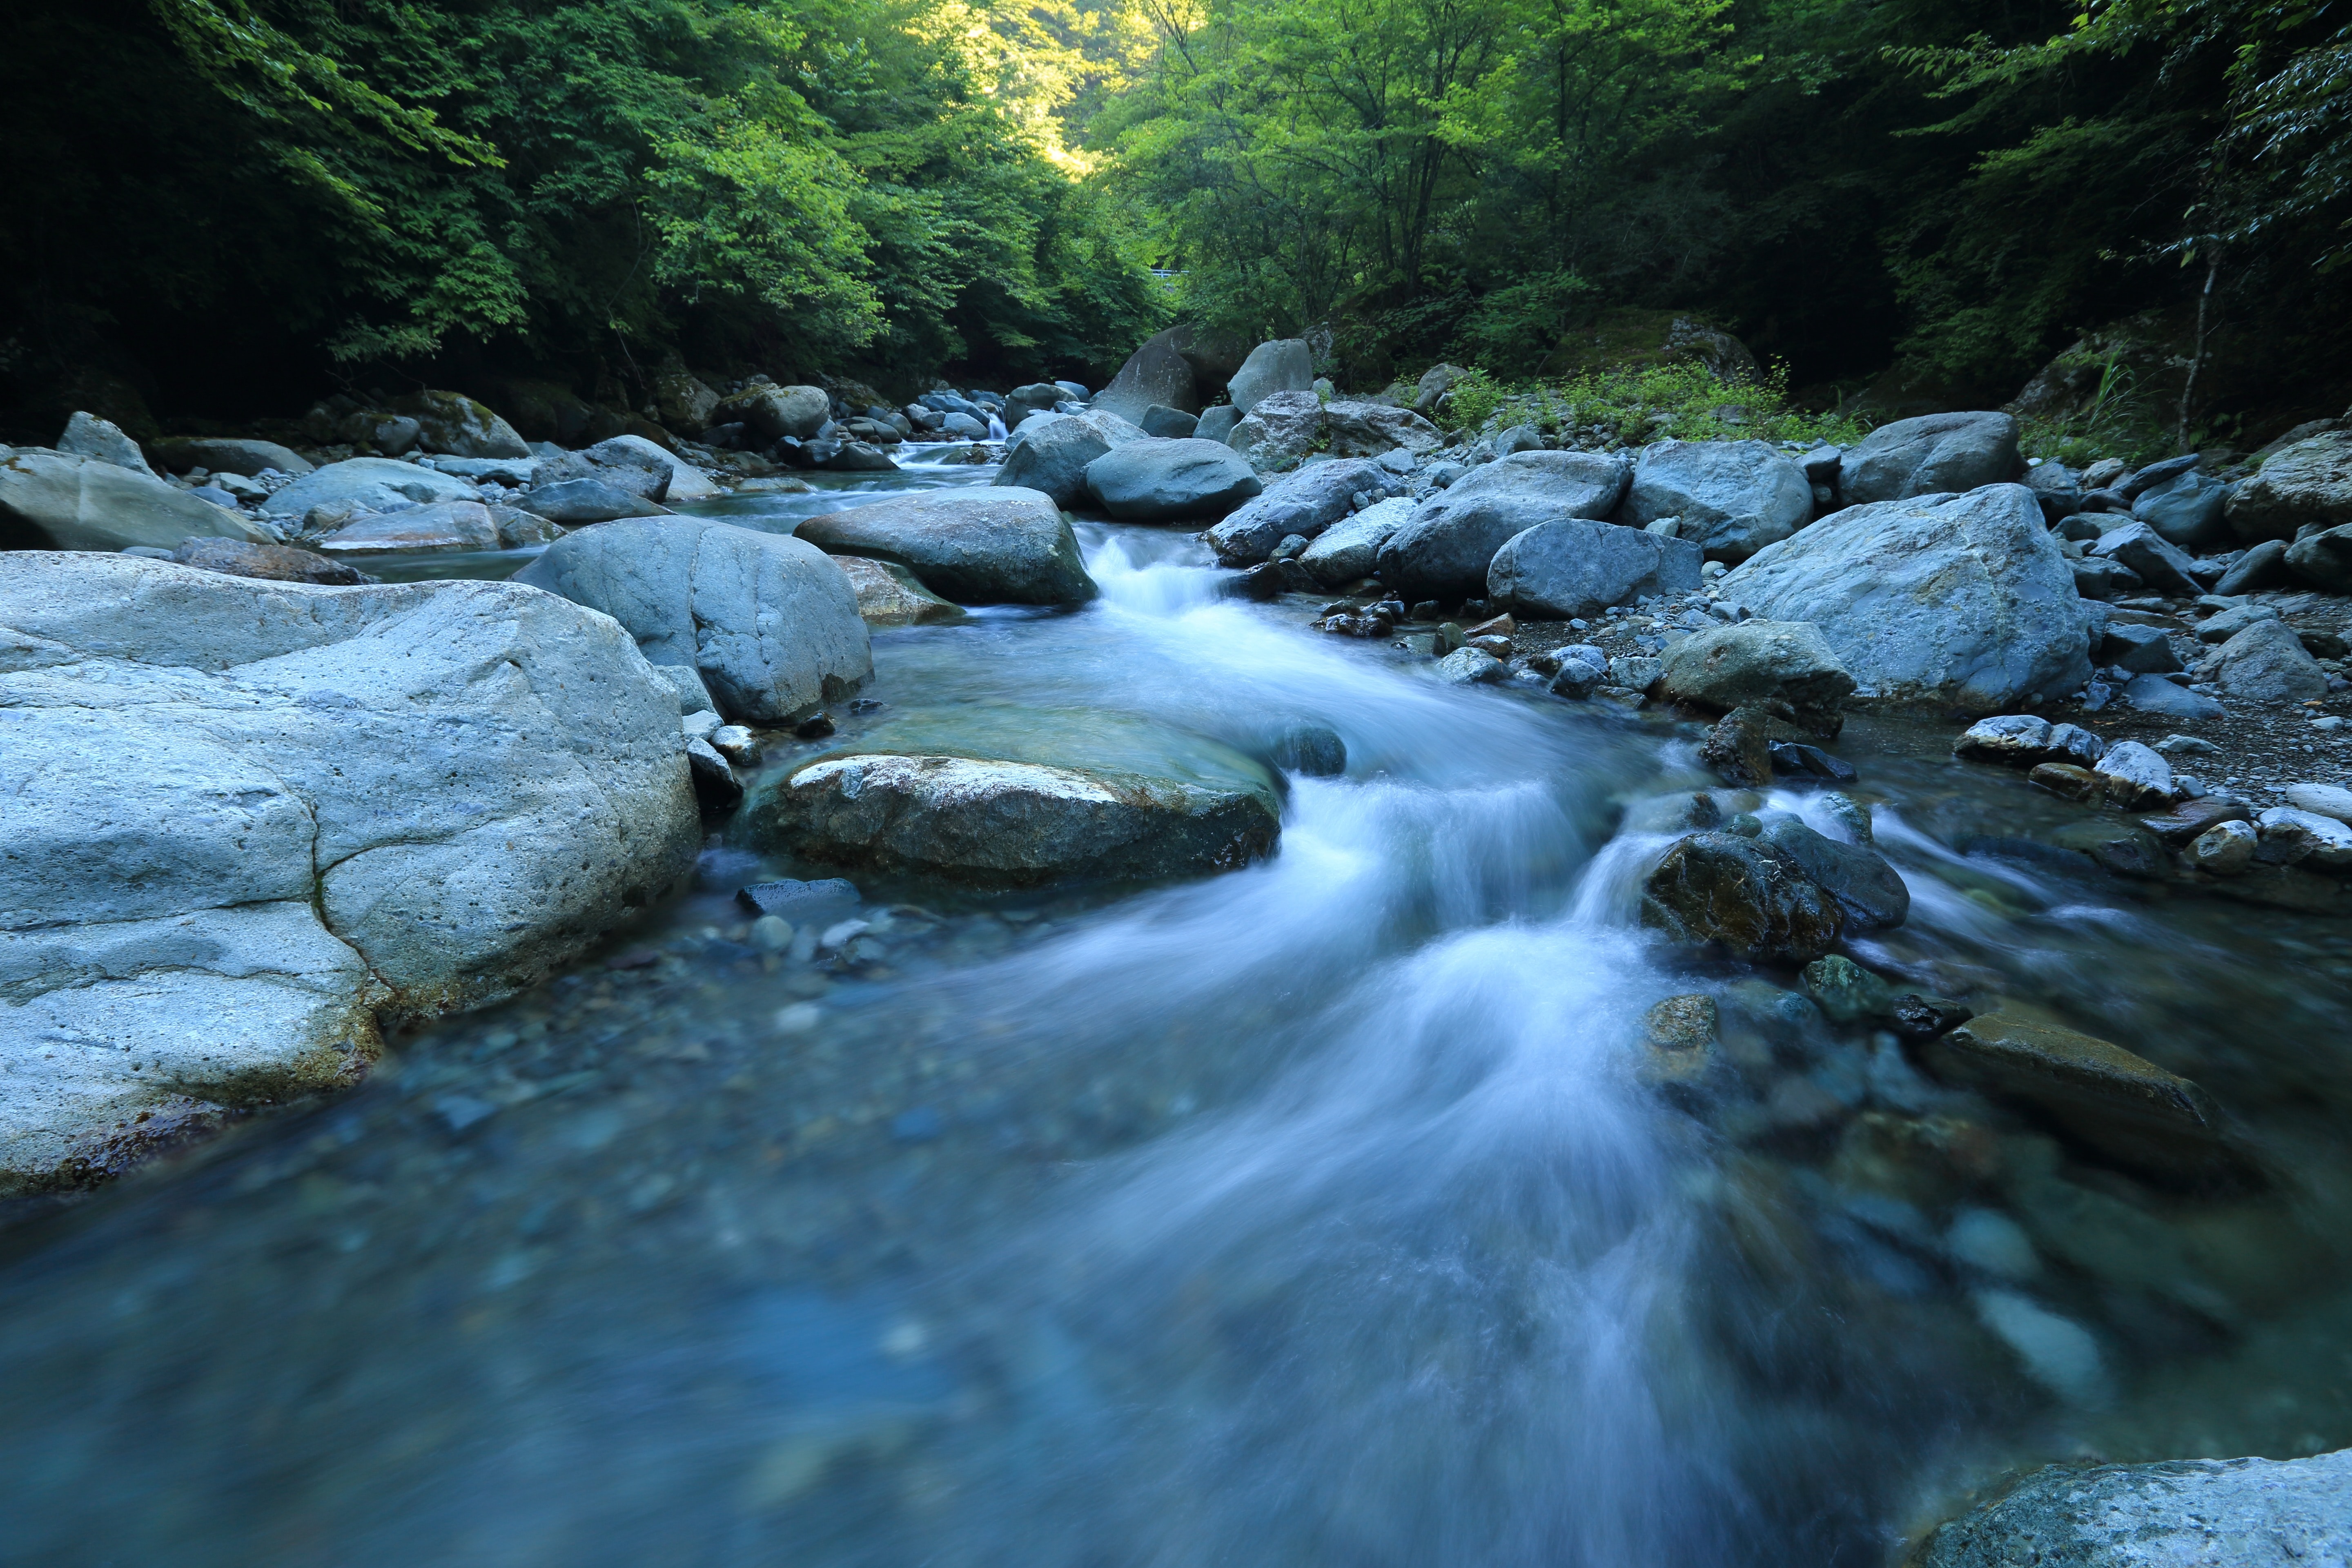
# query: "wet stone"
2225,849
1739,748
2065,780
1724,890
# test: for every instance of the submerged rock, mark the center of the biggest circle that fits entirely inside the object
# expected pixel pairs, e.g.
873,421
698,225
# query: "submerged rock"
1743,894
987,546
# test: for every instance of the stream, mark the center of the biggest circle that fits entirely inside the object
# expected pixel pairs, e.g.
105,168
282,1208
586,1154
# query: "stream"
1314,1214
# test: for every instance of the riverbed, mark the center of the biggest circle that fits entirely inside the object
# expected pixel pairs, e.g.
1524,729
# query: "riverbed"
1317,1214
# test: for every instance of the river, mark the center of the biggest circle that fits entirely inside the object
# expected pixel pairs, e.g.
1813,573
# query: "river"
1311,1214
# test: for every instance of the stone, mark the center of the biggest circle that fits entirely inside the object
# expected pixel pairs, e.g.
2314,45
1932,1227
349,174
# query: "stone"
586,500
773,413
1471,667
975,546
1864,882
1845,991
2190,1513
2098,579
2160,565
2069,780
2174,828
1050,453
1740,749
1282,429
2142,650
2120,1104
2134,776
2265,663
2324,560
1742,894
453,423
889,595
2186,510
1740,496
57,501
2327,800
1347,550
1305,503
1635,673
370,484
1581,484
442,525
354,805
2304,837
693,696
1933,453
1785,667
1157,372
1679,1037
771,624
2072,743
1169,424
1154,480
813,902
1570,567
2224,849
2154,694
102,441
2019,739
716,787
228,454
2229,622
1375,429
2263,565
683,401
2297,486
270,563
1217,424
1436,382
1313,750
1959,600
1583,669
1286,364
1917,1017
677,480
2057,487
1518,438
1794,759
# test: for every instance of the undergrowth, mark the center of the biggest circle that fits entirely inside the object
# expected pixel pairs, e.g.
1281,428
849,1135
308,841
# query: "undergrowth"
1636,405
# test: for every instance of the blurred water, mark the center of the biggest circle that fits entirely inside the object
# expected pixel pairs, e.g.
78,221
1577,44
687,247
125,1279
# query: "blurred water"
1314,1214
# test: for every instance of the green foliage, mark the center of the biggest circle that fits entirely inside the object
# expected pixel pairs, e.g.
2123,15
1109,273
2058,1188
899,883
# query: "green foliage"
1647,403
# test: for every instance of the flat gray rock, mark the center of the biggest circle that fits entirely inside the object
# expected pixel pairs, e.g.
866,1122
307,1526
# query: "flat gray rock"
57,500
984,546
1957,600
1582,484
1933,453
244,454
2265,663
1154,480
1349,550
1732,497
1572,567
1304,503
770,622
371,484
2154,694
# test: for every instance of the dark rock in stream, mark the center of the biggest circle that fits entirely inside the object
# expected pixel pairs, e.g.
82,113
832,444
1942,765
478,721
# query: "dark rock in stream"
1858,876
800,902
1740,749
1720,889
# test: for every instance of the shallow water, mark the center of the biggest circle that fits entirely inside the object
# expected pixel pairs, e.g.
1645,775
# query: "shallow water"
1314,1214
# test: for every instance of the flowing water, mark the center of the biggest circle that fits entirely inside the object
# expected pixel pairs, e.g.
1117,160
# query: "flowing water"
1318,1214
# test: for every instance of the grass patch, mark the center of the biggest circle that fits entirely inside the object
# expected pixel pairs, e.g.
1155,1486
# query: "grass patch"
1638,404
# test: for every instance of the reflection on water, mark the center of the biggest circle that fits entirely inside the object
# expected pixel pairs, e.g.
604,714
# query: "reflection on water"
1319,1213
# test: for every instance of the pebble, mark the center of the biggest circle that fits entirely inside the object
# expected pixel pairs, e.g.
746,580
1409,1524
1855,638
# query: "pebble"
771,933
2225,849
799,1018
1988,1240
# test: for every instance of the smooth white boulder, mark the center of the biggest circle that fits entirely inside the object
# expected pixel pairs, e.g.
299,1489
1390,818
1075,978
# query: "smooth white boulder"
63,501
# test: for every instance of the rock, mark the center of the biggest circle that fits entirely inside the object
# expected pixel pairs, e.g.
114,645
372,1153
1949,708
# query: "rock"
1861,879
1375,429
1154,480
228,454
2192,1513
693,696
2222,628
1018,822
974,546
1305,503
1169,424
2072,743
2176,828
1570,567
1217,424
1583,669
1581,484
2019,739
57,500
370,484
1314,751
2069,780
1347,550
2140,649
2185,509
716,787
1960,600
889,595
2265,663
2327,800
270,563
2324,560
397,799
579,501
1930,454
1845,991
2154,694
2159,565
1284,364
1794,759
1471,667
1635,673
2304,836
2057,487
2297,486
1740,496
2118,1103
678,480
1923,1017
1784,667
1445,549
2134,776
2098,579
1157,372
771,624
682,401
1719,889
2224,849
820,901
442,525
453,423
2261,566
1740,749
102,441
773,412
1283,427
850,457
1051,451
1436,382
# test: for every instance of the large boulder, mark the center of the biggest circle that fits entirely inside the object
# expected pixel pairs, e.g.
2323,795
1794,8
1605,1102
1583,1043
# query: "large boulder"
1572,567
1286,364
366,484
1962,601
1349,550
227,455
454,422
2195,1514
984,546
674,480
1282,429
774,412
1864,883
588,500
1156,480
2148,556
1583,484
1732,497
1719,889
57,501
1024,797
2324,559
1445,550
1370,429
2265,663
682,401
2185,509
2307,482
771,624
1783,668
102,441
1049,452
1933,453
1304,503
351,804
1156,372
